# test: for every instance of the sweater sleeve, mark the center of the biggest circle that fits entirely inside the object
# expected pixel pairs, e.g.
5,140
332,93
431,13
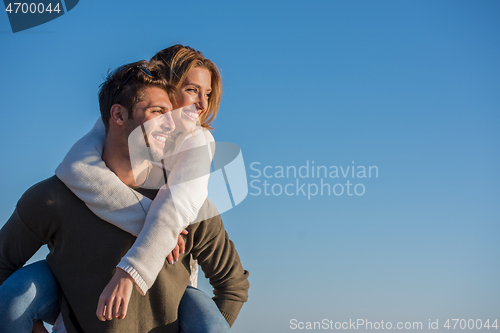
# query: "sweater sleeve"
17,244
31,226
175,207
221,264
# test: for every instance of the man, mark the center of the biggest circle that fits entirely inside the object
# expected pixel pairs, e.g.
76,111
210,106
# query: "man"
84,249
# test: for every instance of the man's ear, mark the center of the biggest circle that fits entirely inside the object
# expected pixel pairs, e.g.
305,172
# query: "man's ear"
118,114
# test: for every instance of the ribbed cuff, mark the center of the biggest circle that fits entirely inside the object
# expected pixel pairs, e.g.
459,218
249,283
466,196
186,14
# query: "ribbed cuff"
229,318
229,309
140,284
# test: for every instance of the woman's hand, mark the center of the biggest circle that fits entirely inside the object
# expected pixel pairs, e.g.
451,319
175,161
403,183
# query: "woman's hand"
114,299
180,247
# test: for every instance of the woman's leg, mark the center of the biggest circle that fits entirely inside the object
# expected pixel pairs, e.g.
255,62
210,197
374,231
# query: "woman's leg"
198,313
28,295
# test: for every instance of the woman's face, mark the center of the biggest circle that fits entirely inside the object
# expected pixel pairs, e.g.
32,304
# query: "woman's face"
196,90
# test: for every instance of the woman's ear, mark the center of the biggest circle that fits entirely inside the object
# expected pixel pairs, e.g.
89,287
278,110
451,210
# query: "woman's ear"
118,114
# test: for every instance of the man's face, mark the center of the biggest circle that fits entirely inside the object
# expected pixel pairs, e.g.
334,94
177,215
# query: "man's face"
152,124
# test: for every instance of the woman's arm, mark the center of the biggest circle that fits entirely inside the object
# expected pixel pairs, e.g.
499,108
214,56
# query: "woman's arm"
174,208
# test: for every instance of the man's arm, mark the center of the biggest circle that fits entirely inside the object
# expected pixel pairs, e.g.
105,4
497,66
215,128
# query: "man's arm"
18,242
26,230
220,262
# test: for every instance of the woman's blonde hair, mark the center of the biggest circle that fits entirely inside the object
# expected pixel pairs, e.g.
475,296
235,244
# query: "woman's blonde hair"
176,62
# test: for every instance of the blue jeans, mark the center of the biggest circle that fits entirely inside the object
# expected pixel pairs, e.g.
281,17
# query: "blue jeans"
28,295
199,313
31,294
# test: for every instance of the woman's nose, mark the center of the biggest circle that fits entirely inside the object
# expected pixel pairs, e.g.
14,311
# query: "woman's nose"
202,104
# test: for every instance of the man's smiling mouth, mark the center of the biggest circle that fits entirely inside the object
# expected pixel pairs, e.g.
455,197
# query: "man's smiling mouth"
159,137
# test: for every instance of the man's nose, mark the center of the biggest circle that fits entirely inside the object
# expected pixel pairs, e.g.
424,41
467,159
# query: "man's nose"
167,123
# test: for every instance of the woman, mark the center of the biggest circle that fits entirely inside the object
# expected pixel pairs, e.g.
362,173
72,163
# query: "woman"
198,83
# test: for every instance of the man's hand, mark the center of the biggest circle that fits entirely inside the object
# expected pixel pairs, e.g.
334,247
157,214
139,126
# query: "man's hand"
39,328
180,247
114,299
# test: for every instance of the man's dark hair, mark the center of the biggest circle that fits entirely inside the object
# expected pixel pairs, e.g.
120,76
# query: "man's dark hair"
116,91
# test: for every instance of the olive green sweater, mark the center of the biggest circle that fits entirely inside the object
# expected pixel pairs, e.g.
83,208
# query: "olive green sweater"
84,252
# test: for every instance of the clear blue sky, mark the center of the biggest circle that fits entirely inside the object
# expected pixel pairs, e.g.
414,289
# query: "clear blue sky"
411,87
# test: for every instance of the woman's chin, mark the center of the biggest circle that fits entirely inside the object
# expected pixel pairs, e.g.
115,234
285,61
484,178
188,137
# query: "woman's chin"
187,126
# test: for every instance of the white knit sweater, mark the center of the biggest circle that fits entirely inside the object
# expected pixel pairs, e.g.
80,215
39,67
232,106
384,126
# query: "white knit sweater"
157,223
